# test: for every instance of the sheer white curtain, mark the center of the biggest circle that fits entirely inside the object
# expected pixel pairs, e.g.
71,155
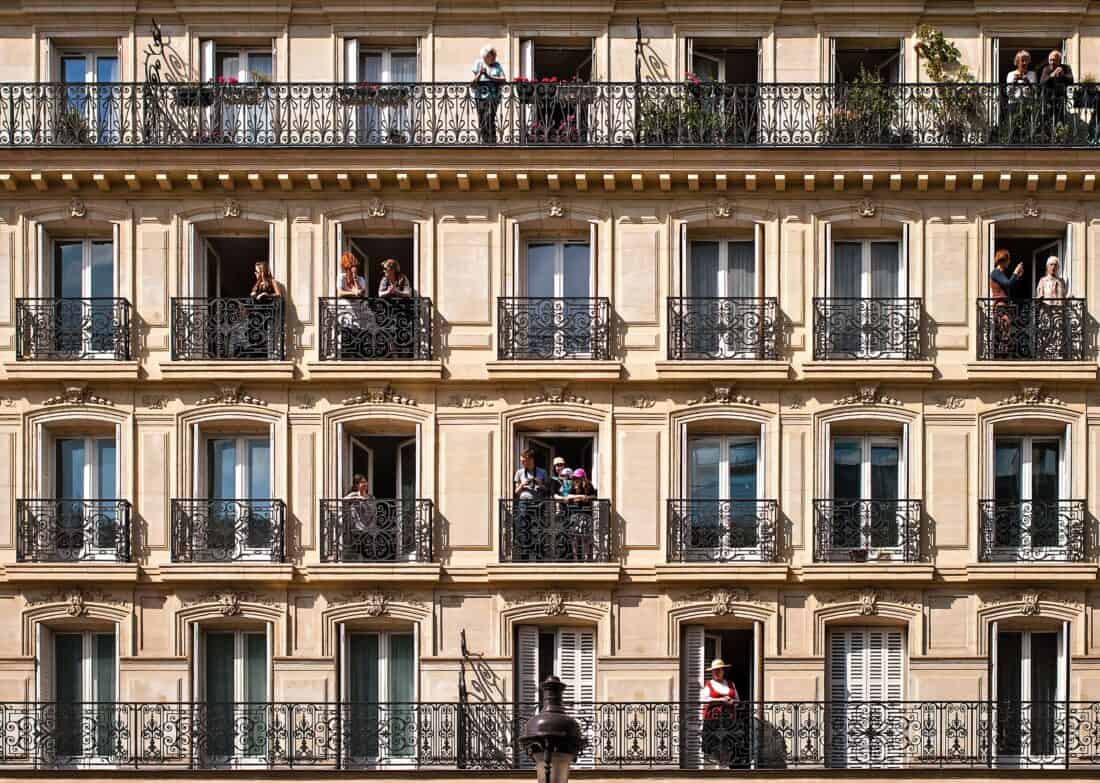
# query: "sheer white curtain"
885,275
742,270
704,269
847,269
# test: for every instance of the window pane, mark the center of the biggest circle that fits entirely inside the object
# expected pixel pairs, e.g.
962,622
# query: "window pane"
408,471
219,668
403,67
260,67
1007,467
540,269
742,458
227,64
705,68
885,275
105,667
103,269
363,667
222,466
69,269
704,269
547,655
73,70
576,270
847,458
703,477
847,269
402,672
884,472
255,667
70,468
742,274
106,69
105,468
68,657
1044,471
259,468
370,67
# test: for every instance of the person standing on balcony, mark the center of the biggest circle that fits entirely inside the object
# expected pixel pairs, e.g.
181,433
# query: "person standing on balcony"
1051,287
1003,288
394,284
719,712
349,287
1018,91
488,76
530,529
398,313
1052,322
361,535
265,288
1055,81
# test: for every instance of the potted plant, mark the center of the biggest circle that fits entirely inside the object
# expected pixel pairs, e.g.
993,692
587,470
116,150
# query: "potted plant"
857,555
955,103
357,95
865,111
529,91
192,95
391,94
71,126
1086,93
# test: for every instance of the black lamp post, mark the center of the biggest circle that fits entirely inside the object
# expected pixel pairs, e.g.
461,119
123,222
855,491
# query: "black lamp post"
551,737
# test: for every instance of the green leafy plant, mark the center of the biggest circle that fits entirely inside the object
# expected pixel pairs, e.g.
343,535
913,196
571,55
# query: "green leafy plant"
866,111
955,105
71,126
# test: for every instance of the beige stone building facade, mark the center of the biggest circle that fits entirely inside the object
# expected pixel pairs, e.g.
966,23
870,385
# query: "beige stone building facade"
758,316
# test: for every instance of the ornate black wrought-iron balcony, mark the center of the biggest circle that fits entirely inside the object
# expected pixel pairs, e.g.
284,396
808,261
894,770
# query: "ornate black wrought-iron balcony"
1032,530
862,530
375,329
555,531
376,530
721,531
66,329
69,530
224,530
867,328
650,114
1037,330
554,328
238,329
703,328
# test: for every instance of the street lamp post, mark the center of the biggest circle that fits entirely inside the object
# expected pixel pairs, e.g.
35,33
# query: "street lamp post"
551,737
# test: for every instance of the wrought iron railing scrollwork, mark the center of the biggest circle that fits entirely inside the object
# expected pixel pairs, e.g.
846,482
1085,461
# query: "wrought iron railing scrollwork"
1039,330
227,530
701,328
867,328
860,530
554,328
722,531
548,530
68,329
67,530
373,328
373,530
228,328
1033,530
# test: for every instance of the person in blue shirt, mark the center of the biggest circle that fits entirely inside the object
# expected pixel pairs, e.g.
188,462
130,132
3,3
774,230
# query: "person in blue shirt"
488,76
1003,289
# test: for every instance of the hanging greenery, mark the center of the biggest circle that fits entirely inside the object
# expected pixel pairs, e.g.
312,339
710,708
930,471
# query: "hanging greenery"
942,59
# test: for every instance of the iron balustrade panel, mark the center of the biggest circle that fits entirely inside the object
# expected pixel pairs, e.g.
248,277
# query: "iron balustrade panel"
227,530
703,328
554,328
555,531
864,529
519,114
867,328
722,531
1038,330
68,329
70,530
376,530
240,329
373,328
1026,530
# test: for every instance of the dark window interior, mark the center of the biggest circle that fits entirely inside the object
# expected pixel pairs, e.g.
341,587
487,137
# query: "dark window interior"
1023,251
546,654
386,456
740,59
736,648
577,452
372,251
877,56
230,264
565,62
1038,48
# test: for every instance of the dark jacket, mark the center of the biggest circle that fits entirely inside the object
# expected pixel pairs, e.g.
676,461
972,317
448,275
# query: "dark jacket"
1063,81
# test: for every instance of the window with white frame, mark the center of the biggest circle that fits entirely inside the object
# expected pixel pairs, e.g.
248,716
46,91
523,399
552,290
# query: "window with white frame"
384,112
730,60
1030,671
725,476
865,315
865,665
562,271
866,480
92,110
379,690
236,478
1029,481
78,672
243,114
79,274
232,676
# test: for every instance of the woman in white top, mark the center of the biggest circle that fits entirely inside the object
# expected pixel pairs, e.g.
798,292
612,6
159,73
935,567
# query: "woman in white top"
350,287
1021,77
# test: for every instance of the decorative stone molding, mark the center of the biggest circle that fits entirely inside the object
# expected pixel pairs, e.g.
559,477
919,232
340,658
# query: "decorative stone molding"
555,393
949,402
723,601
1031,208
867,208
376,208
639,401
555,208
77,208
867,599
724,394
1030,395
468,401
795,402
305,401
230,394
555,602
229,602
375,603
379,395
76,394
231,208
154,402
75,600
7,402
1030,599
868,394
721,208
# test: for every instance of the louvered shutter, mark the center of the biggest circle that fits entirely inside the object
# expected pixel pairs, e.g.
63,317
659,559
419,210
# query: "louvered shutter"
576,666
866,674
839,683
527,681
1067,258
693,676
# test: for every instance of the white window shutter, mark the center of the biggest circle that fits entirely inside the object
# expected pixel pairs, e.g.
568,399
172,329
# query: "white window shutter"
583,666
567,663
198,671
903,261
832,61
415,277
693,677
45,265
519,283
1065,483
273,261
116,272
1067,257
527,663
351,60
593,255
994,645
992,250
206,57
45,663
828,259
345,665
527,58
685,258
894,653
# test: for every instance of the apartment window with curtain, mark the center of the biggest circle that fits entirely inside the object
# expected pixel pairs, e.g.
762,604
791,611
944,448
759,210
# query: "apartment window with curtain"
379,693
232,684
381,93
78,673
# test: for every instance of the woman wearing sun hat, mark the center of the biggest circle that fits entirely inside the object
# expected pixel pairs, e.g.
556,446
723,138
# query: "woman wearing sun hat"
719,697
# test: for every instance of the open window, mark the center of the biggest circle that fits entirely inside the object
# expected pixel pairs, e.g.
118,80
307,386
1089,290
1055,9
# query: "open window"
1038,47
576,449
78,674
567,652
372,248
379,693
562,59
728,60
232,685
1030,672
879,58
867,670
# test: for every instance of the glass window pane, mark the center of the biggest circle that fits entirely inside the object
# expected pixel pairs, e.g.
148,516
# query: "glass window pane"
885,275
103,269
1007,470
105,468
742,274
219,668
363,668
69,269
576,270
847,459
402,672
71,460
703,478
704,270
74,70
370,67
884,471
847,269
540,269
1044,470
255,667
227,64
1044,668
403,67
706,68
742,459
106,69
222,467
408,471
68,659
105,667
259,468
261,67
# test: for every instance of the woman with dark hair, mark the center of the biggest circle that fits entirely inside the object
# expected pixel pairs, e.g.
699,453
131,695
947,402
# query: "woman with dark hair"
265,288
1003,289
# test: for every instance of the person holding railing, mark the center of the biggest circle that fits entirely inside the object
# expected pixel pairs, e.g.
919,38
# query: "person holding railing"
488,76
398,311
361,523
1050,316
350,287
719,713
580,505
1018,92
1055,81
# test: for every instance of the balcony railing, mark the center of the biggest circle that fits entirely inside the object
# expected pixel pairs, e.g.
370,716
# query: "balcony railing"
702,328
384,737
555,531
1026,530
375,329
1038,330
68,530
721,531
302,114
225,530
861,530
554,328
376,530
867,328
239,329
65,329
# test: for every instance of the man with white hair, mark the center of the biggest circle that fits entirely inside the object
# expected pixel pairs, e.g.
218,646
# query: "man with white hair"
488,75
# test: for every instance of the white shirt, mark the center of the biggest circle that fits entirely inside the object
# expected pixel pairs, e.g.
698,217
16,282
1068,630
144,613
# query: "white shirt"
723,689
1020,90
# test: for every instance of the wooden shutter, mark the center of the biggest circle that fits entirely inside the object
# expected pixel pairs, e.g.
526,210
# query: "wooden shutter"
351,60
693,660
576,659
206,60
527,665
1067,257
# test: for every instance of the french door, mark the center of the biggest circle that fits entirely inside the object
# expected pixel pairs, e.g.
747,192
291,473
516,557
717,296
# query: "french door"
84,683
726,469
246,111
1031,718
866,482
863,274
92,110
235,689
724,280
239,486
84,281
1028,483
387,117
559,274
866,682
379,691
86,470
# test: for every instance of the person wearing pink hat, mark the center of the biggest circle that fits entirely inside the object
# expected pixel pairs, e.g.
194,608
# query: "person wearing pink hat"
580,509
